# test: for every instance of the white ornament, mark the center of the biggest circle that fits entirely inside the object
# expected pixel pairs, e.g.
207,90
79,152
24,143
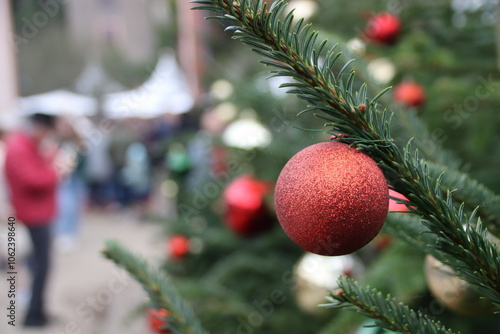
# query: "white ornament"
303,8
315,275
221,89
382,70
246,134
356,46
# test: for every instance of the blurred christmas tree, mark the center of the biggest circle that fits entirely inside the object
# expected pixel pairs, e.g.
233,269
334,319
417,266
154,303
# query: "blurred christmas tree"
228,257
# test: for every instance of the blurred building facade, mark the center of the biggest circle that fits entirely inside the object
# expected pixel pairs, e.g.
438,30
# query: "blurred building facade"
125,25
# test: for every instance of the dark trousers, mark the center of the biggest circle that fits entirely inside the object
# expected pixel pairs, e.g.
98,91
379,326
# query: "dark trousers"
40,263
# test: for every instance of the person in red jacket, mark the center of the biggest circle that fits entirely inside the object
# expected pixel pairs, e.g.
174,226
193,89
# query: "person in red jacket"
32,181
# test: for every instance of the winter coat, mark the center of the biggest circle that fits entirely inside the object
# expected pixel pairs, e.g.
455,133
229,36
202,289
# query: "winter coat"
32,181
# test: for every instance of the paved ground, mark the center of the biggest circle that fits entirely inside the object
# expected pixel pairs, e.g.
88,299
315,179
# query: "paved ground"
88,294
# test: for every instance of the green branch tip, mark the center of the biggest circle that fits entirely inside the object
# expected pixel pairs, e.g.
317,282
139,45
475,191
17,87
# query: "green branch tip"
158,286
386,312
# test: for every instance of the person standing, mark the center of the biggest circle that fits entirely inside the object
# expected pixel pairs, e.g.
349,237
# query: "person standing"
71,189
32,180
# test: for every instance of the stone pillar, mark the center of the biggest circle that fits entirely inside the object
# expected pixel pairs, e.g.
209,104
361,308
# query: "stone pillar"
191,52
9,111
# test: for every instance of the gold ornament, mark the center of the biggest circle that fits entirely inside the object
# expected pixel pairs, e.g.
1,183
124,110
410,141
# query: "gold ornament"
454,293
315,275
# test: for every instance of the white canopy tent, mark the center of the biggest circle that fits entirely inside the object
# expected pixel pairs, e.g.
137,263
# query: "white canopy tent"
59,102
94,80
165,92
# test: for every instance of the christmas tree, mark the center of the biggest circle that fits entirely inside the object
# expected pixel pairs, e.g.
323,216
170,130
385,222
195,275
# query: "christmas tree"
246,282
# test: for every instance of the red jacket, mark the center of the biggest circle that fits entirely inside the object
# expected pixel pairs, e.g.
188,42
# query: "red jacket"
32,181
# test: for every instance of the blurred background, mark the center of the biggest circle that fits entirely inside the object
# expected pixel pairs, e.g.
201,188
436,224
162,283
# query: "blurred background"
172,139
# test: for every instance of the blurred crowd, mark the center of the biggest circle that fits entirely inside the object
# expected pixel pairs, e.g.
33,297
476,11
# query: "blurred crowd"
99,163
52,168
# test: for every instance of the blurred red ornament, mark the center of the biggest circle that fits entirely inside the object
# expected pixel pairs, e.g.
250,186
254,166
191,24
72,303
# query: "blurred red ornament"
382,241
178,246
331,199
383,28
393,205
158,320
246,212
410,94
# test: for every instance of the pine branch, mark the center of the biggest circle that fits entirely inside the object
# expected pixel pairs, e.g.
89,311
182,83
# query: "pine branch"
159,288
471,193
290,48
407,125
407,227
386,311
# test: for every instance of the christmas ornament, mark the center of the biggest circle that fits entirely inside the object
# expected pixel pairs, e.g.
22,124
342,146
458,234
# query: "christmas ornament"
303,8
393,205
221,89
410,94
177,159
315,275
331,199
453,292
381,69
178,246
158,320
356,46
383,28
226,112
246,134
245,210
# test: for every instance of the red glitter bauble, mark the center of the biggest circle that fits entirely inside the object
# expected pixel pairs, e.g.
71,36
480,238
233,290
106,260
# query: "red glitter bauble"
246,213
178,246
331,199
410,94
158,320
383,28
